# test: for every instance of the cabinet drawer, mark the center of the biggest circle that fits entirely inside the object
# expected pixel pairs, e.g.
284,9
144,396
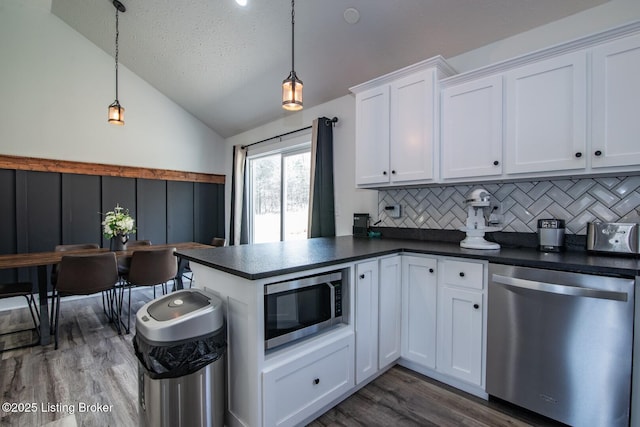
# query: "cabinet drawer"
463,273
297,389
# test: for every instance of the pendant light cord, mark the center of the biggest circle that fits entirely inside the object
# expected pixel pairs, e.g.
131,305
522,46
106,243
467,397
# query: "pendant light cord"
117,37
293,17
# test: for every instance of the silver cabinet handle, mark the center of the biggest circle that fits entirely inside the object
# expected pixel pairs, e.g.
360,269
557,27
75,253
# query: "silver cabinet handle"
554,288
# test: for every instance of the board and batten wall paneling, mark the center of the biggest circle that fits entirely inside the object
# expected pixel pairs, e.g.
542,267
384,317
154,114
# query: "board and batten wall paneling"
8,219
151,210
207,222
81,214
38,215
180,207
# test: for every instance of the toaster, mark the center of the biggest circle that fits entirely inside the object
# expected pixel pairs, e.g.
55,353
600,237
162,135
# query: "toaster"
616,237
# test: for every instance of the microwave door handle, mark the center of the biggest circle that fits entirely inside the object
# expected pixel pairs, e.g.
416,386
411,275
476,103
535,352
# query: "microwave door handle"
555,288
332,294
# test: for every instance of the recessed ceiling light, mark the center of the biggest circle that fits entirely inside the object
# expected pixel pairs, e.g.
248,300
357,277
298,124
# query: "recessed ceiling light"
242,2
351,15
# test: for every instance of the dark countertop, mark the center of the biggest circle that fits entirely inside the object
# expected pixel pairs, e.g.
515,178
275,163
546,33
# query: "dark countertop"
274,259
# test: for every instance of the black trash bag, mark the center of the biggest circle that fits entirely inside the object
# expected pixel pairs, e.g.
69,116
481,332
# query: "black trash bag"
178,359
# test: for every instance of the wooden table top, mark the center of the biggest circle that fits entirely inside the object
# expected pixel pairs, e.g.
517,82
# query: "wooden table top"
36,259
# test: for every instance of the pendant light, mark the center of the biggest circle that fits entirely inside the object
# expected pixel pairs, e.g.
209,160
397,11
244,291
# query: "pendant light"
116,111
292,86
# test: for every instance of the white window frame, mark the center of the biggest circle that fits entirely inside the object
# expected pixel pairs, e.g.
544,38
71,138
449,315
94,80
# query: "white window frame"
289,147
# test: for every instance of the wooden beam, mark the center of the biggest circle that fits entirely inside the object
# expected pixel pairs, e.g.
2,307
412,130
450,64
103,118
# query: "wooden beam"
65,166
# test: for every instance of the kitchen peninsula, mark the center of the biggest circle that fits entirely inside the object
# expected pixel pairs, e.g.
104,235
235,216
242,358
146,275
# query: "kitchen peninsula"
297,382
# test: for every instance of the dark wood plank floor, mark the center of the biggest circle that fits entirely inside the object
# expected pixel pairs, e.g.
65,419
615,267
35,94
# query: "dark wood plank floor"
95,365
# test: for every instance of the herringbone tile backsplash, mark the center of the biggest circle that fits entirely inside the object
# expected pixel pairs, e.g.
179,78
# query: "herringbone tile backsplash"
579,201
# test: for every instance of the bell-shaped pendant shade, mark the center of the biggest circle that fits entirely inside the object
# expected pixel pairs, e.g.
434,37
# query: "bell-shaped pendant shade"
116,114
292,93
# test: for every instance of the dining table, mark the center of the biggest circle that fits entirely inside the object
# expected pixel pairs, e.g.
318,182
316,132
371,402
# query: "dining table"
41,260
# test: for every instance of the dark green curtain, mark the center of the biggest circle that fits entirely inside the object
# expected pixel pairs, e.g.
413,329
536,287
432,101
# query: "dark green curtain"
322,219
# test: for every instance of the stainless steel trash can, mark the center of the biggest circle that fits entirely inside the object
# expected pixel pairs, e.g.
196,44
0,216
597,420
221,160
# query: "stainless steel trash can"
180,345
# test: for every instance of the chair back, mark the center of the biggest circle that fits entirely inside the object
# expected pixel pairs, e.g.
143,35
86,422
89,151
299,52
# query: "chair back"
76,247
87,274
153,266
136,243
218,241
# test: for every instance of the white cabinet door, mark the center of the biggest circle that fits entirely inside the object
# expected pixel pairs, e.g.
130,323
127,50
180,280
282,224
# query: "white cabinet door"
545,115
419,292
412,134
366,316
390,309
296,389
616,103
471,138
460,334
372,136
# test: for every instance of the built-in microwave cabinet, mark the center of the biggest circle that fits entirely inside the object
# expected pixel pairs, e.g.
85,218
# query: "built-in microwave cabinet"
396,126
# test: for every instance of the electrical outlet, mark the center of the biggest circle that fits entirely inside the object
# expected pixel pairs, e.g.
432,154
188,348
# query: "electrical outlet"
394,211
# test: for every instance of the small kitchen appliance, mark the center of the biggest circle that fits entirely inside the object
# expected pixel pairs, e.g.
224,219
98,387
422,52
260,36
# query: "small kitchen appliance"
615,237
477,201
550,235
360,224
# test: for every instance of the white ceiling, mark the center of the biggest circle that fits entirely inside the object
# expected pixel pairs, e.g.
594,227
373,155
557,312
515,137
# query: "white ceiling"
225,64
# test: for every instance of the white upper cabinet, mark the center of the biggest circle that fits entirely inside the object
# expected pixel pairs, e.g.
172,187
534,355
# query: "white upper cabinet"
545,115
396,126
615,104
412,136
372,136
472,129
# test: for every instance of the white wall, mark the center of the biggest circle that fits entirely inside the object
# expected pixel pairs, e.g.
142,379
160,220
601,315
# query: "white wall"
55,88
348,199
600,18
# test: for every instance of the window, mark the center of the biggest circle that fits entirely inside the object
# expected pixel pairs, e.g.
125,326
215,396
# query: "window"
279,194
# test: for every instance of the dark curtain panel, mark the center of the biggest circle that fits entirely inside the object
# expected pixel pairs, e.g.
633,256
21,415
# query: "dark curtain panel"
322,219
238,233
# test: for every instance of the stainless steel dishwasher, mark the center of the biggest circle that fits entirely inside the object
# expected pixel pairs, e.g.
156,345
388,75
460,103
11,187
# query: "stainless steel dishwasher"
560,344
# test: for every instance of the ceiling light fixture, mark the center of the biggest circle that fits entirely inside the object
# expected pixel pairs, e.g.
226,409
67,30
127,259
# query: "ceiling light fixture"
292,86
116,112
241,2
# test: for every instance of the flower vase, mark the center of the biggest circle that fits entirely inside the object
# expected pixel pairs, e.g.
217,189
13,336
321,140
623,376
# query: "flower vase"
119,242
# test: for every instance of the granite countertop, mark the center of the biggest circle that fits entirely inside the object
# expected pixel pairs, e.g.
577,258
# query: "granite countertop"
266,260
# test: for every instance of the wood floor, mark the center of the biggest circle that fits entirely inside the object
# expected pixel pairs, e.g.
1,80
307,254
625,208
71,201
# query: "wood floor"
95,365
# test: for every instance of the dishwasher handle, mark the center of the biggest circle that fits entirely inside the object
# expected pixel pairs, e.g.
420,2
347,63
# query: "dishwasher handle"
554,288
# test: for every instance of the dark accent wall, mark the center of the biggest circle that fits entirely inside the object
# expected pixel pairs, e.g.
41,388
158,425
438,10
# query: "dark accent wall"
44,209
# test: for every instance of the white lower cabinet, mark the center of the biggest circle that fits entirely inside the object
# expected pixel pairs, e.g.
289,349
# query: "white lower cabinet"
366,291
461,320
378,305
389,311
419,301
297,388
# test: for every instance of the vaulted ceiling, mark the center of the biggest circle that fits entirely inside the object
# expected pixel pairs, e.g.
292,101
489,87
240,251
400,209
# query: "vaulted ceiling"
225,63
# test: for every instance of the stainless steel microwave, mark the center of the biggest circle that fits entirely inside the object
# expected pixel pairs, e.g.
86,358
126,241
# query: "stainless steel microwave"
299,308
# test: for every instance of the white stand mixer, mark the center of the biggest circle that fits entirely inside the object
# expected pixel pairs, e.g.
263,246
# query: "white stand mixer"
477,201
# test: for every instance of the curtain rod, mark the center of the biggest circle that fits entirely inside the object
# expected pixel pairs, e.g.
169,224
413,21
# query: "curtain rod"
332,121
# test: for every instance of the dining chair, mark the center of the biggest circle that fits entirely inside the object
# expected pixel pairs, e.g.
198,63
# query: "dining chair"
125,262
54,269
21,289
150,267
86,275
